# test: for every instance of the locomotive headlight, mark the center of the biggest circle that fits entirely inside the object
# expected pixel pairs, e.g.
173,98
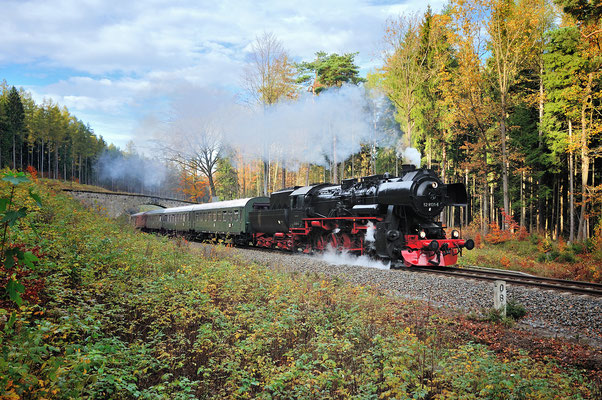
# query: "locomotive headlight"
455,234
422,234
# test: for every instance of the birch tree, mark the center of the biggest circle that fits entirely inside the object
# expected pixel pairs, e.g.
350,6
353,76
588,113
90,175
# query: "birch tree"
268,78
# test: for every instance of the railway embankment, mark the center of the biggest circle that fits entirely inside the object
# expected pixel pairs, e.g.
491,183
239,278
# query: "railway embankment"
551,313
109,312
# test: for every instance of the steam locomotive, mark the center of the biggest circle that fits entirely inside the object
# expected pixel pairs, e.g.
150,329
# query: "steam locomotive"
392,218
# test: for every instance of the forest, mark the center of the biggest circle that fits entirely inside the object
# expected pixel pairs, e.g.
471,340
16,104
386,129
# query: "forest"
503,95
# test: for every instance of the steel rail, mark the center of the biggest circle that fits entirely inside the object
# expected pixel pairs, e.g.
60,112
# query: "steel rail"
518,278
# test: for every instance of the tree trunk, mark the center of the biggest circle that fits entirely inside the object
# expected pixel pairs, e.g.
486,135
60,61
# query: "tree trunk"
334,158
485,201
211,185
531,204
541,99
49,159
42,157
266,176
469,205
571,188
582,231
443,179
540,144
523,208
307,175
14,150
504,159
65,164
56,161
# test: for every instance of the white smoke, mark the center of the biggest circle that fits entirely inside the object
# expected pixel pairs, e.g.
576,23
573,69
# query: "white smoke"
132,169
311,129
331,256
369,237
410,155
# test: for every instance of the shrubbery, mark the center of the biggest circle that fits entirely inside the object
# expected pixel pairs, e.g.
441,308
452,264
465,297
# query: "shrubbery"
121,314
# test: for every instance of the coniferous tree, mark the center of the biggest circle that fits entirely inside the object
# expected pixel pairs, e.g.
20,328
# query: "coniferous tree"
329,70
15,122
4,134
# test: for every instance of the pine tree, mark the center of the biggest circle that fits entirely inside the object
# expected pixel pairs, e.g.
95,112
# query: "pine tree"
15,122
329,70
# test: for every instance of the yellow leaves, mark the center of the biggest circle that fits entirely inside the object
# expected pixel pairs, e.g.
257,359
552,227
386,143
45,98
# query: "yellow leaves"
11,395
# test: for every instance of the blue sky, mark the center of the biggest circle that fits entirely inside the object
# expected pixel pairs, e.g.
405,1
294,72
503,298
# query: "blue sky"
115,63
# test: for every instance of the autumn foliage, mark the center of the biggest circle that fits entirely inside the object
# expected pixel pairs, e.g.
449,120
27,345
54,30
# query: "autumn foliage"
499,235
193,186
32,172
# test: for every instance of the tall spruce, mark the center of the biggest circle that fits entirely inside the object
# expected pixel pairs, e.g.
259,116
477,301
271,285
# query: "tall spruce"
586,16
562,63
15,123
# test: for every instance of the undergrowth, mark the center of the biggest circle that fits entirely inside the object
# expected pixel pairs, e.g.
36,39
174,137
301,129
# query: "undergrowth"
536,254
118,314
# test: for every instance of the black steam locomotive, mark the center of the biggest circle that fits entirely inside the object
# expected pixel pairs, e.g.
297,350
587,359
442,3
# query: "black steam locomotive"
393,218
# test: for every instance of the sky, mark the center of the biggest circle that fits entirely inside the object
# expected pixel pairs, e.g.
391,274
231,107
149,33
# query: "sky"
114,64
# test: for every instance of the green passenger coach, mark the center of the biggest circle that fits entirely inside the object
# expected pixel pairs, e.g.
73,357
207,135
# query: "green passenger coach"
204,221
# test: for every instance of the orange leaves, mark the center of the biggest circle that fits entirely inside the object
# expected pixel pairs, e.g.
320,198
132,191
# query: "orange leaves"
32,172
193,186
513,231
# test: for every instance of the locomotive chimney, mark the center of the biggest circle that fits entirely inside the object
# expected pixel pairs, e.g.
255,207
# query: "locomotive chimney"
405,168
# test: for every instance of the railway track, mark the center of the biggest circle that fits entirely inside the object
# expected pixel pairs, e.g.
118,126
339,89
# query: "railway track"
518,278
489,274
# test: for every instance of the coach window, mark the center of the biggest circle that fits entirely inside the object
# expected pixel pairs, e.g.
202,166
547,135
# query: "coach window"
236,215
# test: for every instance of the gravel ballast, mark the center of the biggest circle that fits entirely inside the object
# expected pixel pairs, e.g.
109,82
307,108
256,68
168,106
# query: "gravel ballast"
549,313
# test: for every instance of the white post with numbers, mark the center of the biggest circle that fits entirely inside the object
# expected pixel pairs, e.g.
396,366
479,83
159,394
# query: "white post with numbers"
499,296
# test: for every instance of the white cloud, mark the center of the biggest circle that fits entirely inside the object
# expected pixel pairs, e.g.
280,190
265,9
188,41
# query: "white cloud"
125,54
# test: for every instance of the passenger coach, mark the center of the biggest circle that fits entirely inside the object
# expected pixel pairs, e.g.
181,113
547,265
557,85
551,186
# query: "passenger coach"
204,221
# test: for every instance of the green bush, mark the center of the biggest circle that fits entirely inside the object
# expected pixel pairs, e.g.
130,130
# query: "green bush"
578,247
515,310
567,256
473,372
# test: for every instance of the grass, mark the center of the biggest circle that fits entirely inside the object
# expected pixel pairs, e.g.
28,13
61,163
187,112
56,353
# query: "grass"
58,184
112,313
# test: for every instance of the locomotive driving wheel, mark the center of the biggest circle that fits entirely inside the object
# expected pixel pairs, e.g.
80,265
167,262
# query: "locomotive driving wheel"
326,241
319,243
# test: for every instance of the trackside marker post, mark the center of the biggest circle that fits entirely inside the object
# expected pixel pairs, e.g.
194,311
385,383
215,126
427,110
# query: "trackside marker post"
499,296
